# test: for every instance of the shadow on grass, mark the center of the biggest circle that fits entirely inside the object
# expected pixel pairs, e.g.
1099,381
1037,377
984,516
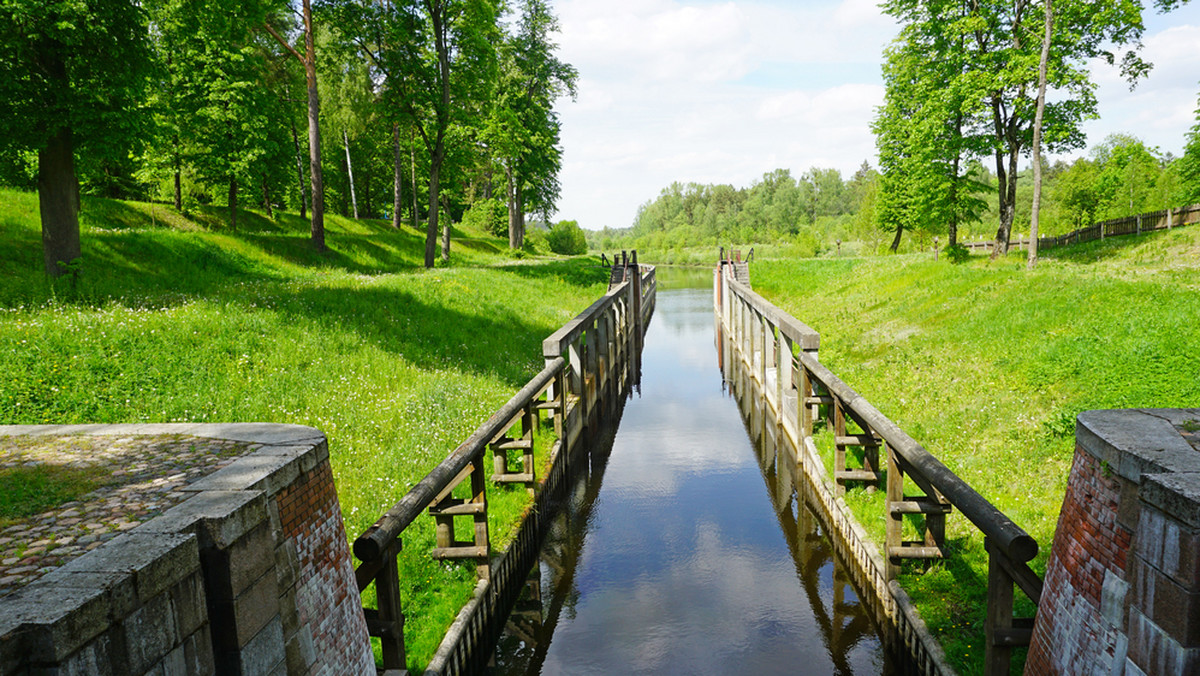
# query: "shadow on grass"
1101,250
581,272
499,341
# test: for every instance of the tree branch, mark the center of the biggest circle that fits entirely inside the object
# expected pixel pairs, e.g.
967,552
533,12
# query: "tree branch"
280,40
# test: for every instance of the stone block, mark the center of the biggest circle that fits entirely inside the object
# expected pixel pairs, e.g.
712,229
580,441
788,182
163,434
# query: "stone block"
265,652
1135,442
157,561
1112,599
255,607
198,653
309,456
1177,494
1155,652
1129,506
150,633
94,659
54,622
251,557
300,653
117,586
189,604
218,518
267,473
1166,603
261,433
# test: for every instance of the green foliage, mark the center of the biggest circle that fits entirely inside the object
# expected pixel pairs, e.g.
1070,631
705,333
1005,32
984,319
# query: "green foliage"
987,366
397,365
566,238
488,215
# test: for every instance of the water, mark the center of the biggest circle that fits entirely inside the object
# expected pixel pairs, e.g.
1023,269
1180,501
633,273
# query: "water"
679,554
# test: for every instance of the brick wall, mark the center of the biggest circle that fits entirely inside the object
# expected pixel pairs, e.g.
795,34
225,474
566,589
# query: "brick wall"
250,575
1122,588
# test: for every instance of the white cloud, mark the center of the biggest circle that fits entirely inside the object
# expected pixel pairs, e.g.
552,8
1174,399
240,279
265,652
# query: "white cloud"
674,90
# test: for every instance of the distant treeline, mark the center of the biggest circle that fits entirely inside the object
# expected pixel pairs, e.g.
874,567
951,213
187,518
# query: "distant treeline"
815,210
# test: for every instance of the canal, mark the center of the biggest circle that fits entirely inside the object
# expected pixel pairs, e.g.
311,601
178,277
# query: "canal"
679,550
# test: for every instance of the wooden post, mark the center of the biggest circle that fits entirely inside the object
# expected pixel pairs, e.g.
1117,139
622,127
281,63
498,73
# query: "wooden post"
999,619
479,497
894,536
1169,215
387,594
839,430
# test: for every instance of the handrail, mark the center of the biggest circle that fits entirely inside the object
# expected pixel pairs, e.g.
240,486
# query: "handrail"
798,331
1011,538
588,361
374,541
788,375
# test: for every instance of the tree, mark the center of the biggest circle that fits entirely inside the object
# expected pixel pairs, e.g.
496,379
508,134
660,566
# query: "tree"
1037,134
1189,167
998,39
72,75
309,61
566,238
523,129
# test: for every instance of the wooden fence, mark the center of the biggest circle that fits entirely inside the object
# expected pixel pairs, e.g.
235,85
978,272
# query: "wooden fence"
588,362
1128,225
781,355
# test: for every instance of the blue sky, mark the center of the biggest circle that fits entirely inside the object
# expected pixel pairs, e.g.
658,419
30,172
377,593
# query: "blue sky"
723,92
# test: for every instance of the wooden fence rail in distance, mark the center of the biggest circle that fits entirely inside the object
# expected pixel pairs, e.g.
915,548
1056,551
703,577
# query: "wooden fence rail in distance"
587,360
1127,225
781,354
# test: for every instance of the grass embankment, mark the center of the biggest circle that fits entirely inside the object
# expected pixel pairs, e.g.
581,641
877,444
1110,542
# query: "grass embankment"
987,365
177,319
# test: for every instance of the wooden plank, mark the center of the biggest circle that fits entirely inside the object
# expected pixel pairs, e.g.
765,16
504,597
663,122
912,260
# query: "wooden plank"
463,552
513,477
915,552
458,508
856,475
918,507
866,440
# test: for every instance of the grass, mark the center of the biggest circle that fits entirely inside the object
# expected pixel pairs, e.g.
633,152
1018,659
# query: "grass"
987,365
178,319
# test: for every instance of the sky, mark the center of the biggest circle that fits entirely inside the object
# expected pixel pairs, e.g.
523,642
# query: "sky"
724,92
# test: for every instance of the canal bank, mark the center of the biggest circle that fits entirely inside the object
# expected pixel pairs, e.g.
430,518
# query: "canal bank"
680,551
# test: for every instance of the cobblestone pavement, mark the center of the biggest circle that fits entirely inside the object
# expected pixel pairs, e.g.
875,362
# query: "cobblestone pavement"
141,476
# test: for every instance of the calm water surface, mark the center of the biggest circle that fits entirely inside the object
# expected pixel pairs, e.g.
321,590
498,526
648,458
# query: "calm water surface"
671,557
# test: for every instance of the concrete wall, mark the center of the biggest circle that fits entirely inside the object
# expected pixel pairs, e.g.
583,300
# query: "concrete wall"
250,575
1122,588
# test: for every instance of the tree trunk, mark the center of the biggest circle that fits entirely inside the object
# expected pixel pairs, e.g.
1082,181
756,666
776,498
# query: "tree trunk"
520,216
350,173
412,157
896,242
314,132
431,220
511,200
1037,138
58,202
397,175
299,172
178,171
267,197
233,203
438,21
446,237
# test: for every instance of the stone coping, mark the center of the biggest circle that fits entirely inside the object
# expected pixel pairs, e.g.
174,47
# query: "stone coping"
152,468
1156,449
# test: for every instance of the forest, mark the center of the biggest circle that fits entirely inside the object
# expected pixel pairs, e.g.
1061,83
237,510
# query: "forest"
416,111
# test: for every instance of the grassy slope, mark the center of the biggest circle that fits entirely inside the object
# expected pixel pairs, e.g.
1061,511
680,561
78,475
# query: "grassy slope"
178,319
987,365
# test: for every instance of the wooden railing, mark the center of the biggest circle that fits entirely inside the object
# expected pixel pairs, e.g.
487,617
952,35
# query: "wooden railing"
586,362
1126,225
781,354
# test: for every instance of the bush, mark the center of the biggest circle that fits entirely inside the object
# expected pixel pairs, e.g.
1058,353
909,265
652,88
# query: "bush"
489,215
566,238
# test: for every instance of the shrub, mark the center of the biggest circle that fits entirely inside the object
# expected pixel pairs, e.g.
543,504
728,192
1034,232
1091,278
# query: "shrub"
566,238
490,215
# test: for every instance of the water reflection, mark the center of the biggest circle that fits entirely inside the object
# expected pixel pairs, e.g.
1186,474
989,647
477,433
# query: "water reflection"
668,557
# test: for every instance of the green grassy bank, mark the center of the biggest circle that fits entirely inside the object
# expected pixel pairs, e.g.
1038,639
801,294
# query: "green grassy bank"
180,319
987,365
